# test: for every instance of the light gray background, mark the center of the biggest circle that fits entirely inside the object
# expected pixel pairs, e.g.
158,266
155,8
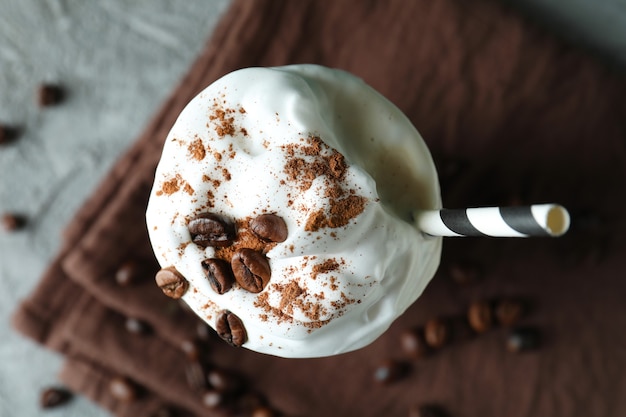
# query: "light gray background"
118,59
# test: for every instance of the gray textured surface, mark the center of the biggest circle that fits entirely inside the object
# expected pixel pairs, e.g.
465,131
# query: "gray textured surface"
118,59
598,24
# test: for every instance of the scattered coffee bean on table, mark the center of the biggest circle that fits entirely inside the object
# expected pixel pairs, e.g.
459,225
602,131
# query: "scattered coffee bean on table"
263,411
171,282
212,399
49,95
54,397
127,273
413,343
465,272
480,316
136,326
191,349
436,333
196,377
224,381
7,134
508,312
122,389
390,371
523,339
12,222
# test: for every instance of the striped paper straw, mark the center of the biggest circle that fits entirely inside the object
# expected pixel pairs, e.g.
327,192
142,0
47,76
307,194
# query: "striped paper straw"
524,221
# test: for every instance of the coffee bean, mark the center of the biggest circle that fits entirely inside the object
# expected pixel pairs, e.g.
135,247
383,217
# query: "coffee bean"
436,333
269,227
251,269
219,274
54,397
171,282
523,339
413,343
190,349
390,371
209,229
465,272
49,95
7,134
122,389
509,312
12,222
127,273
195,375
137,326
263,411
212,399
480,316
224,381
230,328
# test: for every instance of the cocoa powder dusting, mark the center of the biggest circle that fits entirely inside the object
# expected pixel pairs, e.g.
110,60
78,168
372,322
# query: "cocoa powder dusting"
224,120
225,125
262,302
196,149
340,213
289,294
244,239
171,186
312,159
325,267
188,189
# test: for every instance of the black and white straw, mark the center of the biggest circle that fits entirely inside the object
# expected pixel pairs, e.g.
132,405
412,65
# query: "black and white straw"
524,221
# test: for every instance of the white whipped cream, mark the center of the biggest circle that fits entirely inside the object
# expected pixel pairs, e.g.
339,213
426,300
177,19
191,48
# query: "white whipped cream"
229,153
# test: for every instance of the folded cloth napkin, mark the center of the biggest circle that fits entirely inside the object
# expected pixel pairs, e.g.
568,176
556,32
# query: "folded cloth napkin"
511,115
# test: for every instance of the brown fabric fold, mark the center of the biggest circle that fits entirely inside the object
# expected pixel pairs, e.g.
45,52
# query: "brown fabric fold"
92,380
511,115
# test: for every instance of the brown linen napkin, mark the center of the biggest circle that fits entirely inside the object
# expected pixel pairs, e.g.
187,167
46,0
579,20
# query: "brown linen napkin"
510,113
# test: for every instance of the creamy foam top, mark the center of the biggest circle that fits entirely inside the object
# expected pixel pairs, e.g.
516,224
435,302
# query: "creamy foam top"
341,165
